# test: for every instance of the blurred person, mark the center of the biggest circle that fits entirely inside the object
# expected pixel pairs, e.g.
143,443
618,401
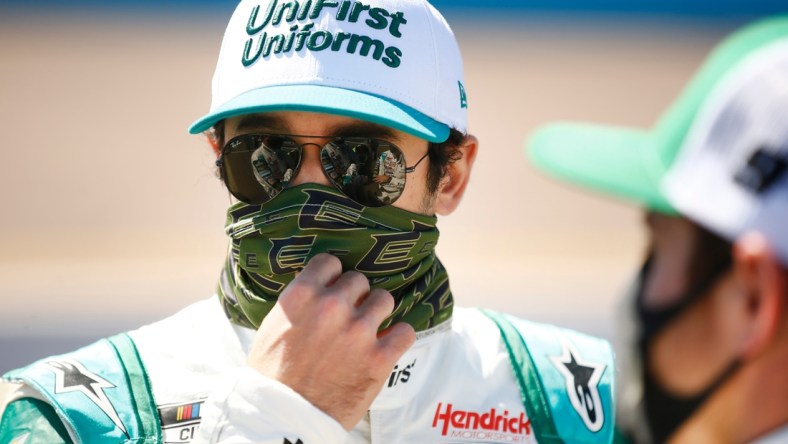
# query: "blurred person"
704,337
334,321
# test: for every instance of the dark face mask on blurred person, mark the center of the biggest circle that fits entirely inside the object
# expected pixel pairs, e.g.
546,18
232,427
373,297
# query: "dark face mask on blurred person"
649,412
665,411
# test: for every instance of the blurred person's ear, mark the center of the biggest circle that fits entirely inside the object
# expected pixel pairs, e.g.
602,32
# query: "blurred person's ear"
453,185
761,301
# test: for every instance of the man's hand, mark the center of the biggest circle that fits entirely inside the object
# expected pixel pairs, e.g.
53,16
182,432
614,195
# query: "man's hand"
381,179
321,339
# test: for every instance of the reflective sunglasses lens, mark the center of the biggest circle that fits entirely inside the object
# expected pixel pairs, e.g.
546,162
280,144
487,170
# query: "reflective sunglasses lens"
371,173
257,167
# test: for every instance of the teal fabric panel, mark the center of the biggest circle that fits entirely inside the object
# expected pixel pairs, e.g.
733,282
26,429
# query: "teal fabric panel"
532,392
94,394
577,372
32,420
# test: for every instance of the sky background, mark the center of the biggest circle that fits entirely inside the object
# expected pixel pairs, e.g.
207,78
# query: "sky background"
112,217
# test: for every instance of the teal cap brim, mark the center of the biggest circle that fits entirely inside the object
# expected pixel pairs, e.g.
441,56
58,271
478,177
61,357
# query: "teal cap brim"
613,160
330,100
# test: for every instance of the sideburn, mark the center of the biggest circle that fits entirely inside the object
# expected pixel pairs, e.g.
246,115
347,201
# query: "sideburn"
441,156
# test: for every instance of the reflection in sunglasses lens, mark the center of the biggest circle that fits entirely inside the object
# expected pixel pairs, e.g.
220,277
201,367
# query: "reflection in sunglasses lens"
257,167
370,176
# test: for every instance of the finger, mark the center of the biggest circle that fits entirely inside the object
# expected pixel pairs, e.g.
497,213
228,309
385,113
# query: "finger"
397,339
353,286
323,270
377,306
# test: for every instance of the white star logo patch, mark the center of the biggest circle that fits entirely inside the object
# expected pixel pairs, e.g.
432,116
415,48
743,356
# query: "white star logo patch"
71,376
582,385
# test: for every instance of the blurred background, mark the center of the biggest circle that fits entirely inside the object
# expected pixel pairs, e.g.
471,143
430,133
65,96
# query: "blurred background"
112,216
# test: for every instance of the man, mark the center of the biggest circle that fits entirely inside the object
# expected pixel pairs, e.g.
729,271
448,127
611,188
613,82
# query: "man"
334,321
707,347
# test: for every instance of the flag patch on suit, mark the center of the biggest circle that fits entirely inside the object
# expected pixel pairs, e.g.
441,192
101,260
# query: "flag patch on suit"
179,422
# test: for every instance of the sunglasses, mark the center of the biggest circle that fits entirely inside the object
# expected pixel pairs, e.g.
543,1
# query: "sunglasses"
257,167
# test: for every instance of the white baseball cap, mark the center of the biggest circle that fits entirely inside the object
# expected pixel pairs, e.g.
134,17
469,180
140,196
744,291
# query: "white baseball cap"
731,175
718,156
391,62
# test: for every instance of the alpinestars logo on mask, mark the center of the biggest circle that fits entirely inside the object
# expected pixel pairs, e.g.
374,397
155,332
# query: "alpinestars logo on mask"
71,376
582,385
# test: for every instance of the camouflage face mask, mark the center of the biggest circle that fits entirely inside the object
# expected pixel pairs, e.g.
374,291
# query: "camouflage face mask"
394,248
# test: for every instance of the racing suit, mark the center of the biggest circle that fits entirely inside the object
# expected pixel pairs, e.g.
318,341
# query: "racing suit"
480,377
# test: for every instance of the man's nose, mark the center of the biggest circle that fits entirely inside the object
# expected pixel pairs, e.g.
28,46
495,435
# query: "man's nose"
311,170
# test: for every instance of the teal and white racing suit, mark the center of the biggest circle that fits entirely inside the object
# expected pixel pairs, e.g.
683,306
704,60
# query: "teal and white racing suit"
480,377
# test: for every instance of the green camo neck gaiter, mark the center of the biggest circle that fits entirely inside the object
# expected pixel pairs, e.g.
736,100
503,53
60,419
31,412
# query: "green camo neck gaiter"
394,248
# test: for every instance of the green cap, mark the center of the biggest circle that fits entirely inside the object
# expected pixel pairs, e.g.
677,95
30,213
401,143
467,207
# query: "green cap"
630,162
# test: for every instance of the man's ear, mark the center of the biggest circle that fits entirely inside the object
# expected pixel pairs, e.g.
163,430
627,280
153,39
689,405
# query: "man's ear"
453,185
762,299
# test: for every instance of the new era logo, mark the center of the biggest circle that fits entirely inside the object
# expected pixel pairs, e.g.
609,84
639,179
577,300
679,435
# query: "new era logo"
463,96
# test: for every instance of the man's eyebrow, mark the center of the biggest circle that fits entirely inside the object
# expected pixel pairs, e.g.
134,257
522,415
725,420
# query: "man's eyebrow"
365,129
261,121
274,123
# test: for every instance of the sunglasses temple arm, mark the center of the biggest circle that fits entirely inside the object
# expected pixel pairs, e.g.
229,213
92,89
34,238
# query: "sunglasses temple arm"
411,169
